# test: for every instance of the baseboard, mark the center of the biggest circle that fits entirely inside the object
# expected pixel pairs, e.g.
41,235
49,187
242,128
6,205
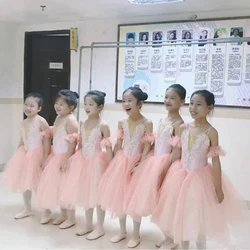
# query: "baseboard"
2,167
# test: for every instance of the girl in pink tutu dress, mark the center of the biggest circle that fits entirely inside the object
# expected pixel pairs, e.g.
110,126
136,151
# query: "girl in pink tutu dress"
145,183
24,169
65,128
114,183
86,167
196,202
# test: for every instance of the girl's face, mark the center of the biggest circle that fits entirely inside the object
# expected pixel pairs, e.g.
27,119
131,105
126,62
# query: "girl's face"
198,107
130,104
90,106
62,108
144,38
172,100
30,107
157,37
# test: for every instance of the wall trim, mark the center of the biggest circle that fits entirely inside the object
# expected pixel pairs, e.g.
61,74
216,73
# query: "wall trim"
11,100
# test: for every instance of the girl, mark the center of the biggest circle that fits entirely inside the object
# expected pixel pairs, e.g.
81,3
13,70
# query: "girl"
149,176
63,147
87,166
195,202
114,183
24,169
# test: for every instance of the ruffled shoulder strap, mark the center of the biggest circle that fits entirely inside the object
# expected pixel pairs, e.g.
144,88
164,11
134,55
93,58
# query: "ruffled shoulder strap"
106,142
71,138
214,151
148,137
47,133
175,141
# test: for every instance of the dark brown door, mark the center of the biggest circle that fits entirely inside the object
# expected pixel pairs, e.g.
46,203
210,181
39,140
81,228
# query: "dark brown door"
47,67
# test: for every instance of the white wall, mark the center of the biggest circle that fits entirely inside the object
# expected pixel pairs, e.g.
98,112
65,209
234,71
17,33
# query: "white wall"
233,125
8,61
10,87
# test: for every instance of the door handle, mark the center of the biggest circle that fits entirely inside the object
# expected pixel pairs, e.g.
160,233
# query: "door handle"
56,86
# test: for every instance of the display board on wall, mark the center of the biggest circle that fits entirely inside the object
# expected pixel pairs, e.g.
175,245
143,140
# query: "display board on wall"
222,68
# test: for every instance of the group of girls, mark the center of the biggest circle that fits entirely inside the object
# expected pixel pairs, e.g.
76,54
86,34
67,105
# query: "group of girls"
165,174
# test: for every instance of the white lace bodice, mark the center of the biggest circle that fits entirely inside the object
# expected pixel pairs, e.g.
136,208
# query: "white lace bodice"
133,144
194,155
164,133
91,144
31,134
60,144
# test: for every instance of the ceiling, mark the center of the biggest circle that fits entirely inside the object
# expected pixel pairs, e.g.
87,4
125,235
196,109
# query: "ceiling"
29,11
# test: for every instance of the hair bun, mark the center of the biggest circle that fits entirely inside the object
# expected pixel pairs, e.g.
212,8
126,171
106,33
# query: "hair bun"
103,93
76,94
144,96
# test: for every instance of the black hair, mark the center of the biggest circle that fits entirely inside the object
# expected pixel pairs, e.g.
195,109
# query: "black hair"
236,29
158,34
173,32
98,96
208,96
69,96
144,34
181,91
38,97
131,35
185,34
137,93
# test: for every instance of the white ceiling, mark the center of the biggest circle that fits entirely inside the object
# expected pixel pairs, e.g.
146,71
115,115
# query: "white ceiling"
29,11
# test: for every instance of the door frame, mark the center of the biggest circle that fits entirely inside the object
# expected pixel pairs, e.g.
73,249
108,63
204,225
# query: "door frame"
27,43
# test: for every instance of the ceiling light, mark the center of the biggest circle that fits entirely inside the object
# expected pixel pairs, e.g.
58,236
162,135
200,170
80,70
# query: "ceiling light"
154,1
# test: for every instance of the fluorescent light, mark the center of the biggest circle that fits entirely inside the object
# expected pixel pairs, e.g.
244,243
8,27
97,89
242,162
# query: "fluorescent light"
154,1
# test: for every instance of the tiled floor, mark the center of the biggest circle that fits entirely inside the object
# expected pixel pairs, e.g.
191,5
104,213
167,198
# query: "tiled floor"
29,234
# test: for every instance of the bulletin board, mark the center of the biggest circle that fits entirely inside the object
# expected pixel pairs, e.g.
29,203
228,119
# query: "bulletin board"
222,68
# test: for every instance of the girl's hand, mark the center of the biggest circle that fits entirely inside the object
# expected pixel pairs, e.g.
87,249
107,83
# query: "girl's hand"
63,167
43,161
134,169
161,179
220,195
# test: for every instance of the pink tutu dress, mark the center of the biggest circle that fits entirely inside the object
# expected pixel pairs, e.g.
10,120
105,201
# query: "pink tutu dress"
52,178
85,169
114,184
188,206
143,191
24,169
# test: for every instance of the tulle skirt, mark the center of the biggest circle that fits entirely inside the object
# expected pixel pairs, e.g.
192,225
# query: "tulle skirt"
82,179
143,191
24,169
188,207
113,188
51,183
